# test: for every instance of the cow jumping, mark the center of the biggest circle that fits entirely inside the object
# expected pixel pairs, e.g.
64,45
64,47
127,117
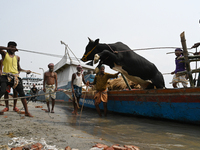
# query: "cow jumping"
120,57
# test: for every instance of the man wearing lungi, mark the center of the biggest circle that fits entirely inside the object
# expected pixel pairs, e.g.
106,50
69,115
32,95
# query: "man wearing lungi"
100,81
50,86
76,84
180,66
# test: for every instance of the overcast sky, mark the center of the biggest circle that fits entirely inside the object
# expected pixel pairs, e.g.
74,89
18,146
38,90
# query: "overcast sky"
40,25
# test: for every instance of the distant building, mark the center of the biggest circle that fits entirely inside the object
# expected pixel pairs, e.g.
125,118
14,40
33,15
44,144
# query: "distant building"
29,81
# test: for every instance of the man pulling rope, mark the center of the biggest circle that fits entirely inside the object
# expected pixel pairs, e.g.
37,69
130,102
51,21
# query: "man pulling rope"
11,66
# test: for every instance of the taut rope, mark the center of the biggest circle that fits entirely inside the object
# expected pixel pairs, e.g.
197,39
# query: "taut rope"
30,96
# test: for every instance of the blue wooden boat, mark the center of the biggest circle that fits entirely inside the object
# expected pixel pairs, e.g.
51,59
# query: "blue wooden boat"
173,104
181,104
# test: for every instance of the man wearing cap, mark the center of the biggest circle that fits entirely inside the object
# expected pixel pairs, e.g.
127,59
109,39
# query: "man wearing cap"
76,84
180,66
100,81
10,74
50,86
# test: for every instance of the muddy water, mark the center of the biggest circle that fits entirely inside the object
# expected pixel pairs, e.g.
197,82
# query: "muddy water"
142,132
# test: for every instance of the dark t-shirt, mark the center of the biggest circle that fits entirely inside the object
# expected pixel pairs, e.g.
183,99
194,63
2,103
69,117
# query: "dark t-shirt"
34,90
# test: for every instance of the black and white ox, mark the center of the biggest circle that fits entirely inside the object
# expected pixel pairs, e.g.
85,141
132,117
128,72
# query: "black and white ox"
120,57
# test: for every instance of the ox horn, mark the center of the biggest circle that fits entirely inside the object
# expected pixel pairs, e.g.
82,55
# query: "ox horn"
90,39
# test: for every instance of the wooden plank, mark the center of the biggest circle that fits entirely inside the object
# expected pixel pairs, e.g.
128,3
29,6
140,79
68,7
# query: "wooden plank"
187,63
190,57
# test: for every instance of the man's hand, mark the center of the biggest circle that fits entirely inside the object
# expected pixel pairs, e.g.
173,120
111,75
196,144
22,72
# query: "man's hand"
56,89
87,83
72,90
44,89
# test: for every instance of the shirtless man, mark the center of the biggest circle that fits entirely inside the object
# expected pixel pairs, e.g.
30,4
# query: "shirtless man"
10,75
50,85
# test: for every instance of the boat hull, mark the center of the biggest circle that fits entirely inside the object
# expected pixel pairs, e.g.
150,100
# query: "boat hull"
174,104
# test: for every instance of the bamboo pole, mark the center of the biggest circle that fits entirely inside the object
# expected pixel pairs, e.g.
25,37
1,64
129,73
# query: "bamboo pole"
126,81
187,63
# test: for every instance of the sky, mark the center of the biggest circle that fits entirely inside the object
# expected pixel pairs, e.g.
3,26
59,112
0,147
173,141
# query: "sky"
40,25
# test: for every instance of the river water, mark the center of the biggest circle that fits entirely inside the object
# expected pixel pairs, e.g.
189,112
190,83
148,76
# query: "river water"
146,133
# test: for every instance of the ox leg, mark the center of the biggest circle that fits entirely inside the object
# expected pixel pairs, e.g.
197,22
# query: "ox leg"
158,81
106,56
96,58
96,70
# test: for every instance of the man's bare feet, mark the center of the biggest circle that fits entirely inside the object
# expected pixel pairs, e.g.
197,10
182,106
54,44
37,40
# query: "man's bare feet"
5,109
16,109
47,111
28,115
52,111
74,113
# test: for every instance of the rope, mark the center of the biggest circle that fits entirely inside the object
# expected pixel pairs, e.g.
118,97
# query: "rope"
157,48
150,49
60,56
85,56
144,49
112,49
55,55
30,99
30,96
73,54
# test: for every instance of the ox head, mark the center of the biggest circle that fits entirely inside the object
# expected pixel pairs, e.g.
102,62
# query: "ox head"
90,50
